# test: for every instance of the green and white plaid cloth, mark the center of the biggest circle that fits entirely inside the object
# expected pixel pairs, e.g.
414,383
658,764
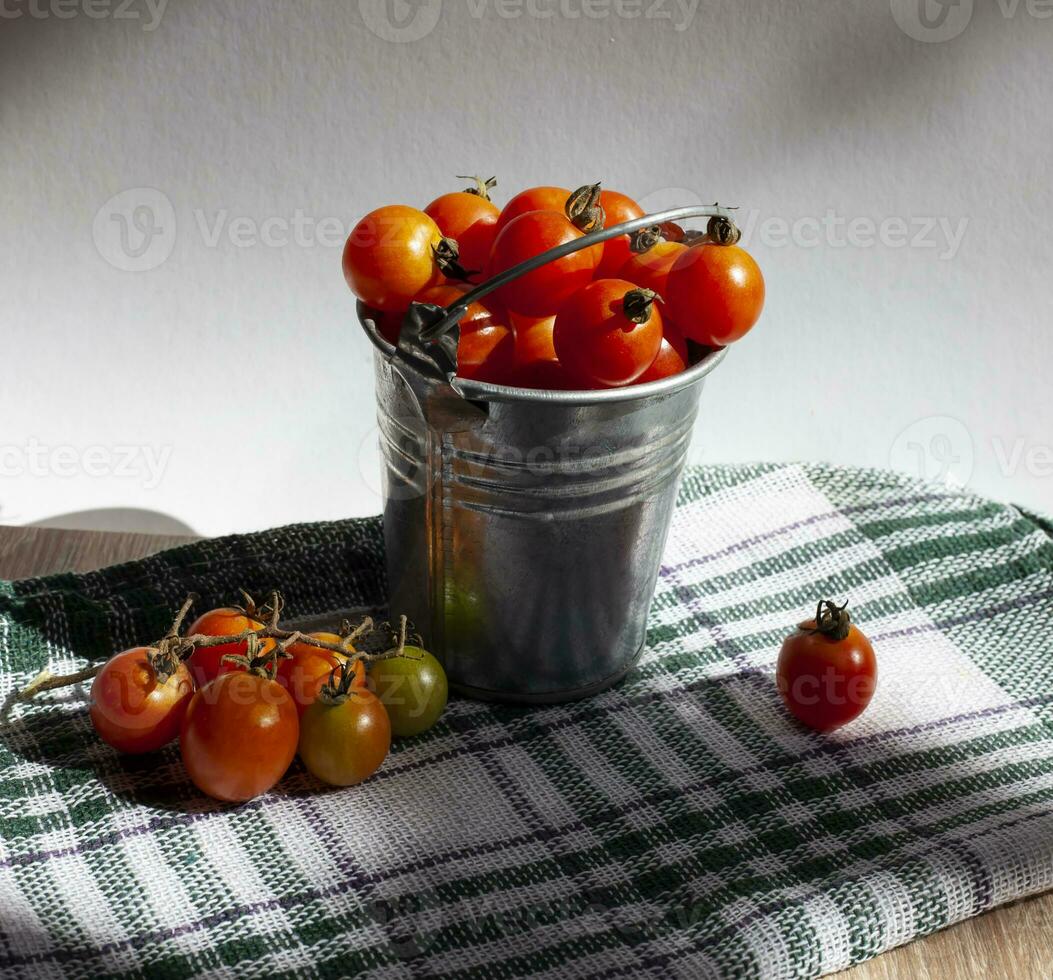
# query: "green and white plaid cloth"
681,825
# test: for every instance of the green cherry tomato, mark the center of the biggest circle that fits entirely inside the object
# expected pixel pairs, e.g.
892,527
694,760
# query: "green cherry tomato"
345,742
413,689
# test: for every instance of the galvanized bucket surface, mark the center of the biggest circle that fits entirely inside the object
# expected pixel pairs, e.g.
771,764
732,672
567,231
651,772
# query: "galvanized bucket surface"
524,528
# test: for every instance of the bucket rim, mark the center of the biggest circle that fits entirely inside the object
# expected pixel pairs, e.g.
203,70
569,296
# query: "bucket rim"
482,391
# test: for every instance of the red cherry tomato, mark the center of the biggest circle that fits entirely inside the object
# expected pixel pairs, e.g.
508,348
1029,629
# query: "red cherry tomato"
485,347
543,291
715,293
239,735
672,356
206,663
389,257
536,363
306,671
469,219
616,209
598,340
650,269
827,674
533,199
132,709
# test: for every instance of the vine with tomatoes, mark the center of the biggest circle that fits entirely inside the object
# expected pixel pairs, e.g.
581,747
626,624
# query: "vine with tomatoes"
243,696
630,310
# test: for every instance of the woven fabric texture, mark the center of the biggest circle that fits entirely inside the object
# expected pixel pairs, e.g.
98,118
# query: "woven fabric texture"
679,825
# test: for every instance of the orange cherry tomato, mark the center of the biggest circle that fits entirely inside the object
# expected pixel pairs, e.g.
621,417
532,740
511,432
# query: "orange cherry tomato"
650,269
598,339
469,219
389,257
543,291
616,209
533,199
132,709
826,674
672,355
715,293
481,313
206,663
239,736
306,671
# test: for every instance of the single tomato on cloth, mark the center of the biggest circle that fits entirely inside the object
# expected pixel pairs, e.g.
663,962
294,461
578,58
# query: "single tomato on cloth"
827,671
139,698
608,334
239,735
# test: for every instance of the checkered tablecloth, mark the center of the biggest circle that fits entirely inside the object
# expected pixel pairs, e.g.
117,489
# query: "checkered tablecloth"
680,825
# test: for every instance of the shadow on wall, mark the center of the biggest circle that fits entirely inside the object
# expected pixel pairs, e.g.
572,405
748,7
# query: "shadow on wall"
118,519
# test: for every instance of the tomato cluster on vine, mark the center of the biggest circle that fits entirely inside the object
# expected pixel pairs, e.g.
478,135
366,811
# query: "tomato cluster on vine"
244,696
629,310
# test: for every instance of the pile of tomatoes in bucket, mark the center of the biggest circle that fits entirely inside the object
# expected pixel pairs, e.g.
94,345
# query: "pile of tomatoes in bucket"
628,310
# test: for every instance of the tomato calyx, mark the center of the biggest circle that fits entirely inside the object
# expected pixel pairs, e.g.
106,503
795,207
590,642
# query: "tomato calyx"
261,664
447,256
482,187
583,208
342,679
645,239
637,304
722,231
831,620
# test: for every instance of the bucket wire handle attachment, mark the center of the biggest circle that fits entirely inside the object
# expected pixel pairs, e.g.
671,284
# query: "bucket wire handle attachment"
436,321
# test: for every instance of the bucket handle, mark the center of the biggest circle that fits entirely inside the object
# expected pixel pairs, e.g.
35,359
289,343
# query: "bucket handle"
436,321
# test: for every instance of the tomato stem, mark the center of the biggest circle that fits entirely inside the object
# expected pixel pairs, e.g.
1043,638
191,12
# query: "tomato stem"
583,208
482,187
831,619
722,231
637,304
447,256
644,239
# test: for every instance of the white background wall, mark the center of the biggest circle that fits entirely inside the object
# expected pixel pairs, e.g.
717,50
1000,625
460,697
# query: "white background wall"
231,361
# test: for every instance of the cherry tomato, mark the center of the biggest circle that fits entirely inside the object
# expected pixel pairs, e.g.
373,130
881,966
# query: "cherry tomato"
827,674
533,199
390,256
536,364
715,293
345,735
543,291
308,668
239,735
598,338
206,663
469,219
480,313
672,356
650,269
616,209
413,688
132,708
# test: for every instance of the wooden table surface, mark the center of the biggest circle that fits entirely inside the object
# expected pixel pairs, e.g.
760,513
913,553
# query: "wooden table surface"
1011,943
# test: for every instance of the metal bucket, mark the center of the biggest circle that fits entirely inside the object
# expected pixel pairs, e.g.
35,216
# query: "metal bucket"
524,528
